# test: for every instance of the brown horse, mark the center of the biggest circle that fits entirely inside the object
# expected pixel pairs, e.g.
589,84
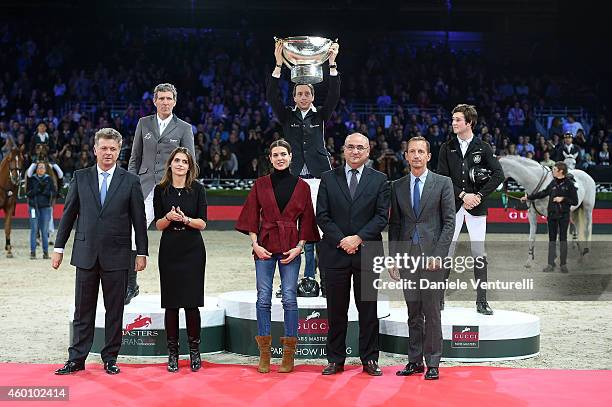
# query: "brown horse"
11,174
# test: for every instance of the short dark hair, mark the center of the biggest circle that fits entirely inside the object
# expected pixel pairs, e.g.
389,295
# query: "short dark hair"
420,138
469,112
561,166
303,84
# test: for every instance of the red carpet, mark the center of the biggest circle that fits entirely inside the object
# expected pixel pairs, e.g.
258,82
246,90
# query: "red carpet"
222,385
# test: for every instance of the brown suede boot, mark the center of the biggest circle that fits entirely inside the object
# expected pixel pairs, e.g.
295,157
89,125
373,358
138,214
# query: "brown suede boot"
289,344
264,343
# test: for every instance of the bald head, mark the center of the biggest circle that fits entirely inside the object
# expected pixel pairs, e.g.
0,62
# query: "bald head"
356,150
356,138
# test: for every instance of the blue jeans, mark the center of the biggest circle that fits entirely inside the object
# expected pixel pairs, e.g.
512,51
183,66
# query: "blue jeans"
309,255
264,270
40,221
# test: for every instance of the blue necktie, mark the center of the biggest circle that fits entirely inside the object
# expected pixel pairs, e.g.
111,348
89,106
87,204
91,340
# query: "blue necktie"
104,188
416,206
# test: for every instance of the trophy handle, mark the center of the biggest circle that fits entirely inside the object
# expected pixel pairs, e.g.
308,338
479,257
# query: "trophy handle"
285,61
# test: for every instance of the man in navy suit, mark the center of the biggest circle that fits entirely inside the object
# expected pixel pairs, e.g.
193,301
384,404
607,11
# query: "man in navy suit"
105,201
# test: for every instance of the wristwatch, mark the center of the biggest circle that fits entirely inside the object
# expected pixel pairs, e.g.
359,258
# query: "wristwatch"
301,247
333,65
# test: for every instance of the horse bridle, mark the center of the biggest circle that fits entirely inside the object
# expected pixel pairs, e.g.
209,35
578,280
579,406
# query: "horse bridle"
546,171
14,175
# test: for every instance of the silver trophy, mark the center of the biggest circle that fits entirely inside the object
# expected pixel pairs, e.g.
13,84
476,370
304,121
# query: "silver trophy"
304,56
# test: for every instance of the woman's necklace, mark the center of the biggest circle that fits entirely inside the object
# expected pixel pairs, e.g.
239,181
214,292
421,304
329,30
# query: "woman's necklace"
178,190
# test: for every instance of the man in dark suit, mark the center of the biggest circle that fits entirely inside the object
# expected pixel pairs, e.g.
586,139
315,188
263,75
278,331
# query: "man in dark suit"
422,223
106,202
352,211
460,158
156,136
304,129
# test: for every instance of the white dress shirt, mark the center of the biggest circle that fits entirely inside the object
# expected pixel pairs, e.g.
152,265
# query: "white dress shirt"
464,144
163,123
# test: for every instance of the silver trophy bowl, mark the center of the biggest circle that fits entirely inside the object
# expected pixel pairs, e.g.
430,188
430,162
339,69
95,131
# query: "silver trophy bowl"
304,56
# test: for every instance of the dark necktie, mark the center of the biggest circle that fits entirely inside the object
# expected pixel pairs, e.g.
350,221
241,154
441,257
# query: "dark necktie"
416,206
353,183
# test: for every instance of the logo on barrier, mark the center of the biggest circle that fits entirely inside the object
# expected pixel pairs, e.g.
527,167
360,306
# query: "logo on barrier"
138,322
313,324
465,336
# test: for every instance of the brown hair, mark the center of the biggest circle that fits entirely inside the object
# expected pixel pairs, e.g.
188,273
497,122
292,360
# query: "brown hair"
192,172
280,143
561,166
419,138
109,134
469,112
303,84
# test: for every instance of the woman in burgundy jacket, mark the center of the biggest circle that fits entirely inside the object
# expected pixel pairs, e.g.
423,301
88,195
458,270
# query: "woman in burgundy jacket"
279,218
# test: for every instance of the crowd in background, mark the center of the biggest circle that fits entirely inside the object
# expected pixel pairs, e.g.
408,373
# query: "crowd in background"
58,87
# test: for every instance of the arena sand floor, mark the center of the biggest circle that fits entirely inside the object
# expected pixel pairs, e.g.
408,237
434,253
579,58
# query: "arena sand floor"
35,302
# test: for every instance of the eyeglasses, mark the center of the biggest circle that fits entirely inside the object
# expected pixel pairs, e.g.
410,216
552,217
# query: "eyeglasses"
351,147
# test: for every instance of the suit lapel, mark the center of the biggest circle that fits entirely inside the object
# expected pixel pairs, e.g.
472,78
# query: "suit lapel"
365,179
155,127
427,188
341,179
114,185
404,195
93,183
474,144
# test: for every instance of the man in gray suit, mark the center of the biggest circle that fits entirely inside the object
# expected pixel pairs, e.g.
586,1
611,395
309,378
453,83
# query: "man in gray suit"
106,202
156,137
422,223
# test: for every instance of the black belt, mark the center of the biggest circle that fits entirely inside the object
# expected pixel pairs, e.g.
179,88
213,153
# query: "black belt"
308,176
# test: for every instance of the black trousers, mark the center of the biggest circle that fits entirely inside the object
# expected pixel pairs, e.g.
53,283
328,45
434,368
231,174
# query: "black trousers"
192,319
558,227
85,300
424,320
338,284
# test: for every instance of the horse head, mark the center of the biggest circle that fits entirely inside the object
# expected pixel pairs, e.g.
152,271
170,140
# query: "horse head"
528,173
15,165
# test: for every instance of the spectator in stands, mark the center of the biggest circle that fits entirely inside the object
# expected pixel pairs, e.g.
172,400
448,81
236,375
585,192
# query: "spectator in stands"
524,146
571,125
556,127
84,161
546,161
230,163
516,119
603,157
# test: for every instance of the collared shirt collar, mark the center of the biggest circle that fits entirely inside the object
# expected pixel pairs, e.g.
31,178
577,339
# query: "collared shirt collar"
165,121
465,141
347,169
312,107
110,172
423,177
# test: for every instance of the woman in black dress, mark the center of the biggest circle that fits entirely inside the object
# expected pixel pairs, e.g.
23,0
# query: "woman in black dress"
180,212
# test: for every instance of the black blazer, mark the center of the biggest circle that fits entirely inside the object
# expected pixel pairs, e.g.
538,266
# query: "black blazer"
103,233
306,136
452,164
339,216
566,189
